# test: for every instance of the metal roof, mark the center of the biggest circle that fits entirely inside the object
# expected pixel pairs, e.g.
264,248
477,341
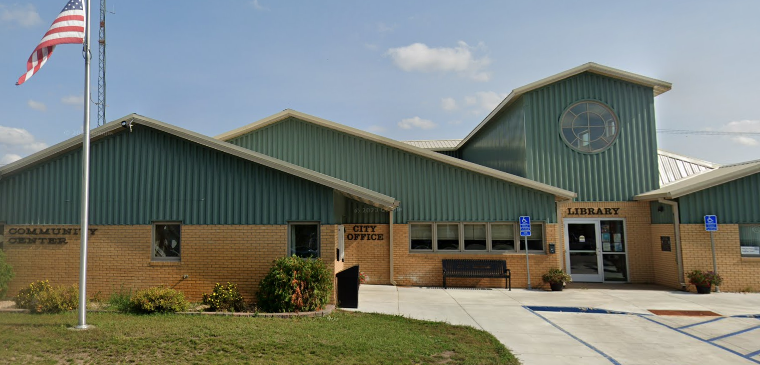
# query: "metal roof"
674,167
703,181
353,191
659,87
288,113
436,144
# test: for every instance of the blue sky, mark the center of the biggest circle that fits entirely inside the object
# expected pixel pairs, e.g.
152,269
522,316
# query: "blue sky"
405,70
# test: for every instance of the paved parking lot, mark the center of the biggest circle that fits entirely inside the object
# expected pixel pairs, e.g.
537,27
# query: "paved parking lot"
590,326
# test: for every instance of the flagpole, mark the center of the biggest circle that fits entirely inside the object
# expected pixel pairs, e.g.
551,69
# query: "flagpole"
83,232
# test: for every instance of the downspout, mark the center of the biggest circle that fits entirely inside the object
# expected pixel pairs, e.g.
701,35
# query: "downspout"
677,226
560,236
390,249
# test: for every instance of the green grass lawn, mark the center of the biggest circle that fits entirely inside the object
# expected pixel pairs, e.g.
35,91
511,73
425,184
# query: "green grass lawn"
341,338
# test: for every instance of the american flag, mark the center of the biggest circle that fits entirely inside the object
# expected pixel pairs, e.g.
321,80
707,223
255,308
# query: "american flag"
68,27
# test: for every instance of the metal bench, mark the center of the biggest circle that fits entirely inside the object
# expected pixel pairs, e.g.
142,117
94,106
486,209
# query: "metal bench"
463,268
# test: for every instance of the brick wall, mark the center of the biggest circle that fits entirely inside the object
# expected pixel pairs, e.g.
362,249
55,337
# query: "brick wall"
119,256
637,231
739,273
371,252
664,262
424,269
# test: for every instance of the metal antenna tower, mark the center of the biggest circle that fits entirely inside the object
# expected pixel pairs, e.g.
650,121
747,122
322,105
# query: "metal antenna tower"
102,65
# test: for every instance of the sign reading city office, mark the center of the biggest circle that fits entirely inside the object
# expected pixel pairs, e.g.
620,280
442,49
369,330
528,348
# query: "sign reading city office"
364,233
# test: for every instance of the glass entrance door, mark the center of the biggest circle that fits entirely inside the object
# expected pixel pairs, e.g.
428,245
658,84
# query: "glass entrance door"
583,250
596,250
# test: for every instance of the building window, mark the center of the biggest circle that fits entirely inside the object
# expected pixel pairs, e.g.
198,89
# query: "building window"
447,237
304,239
166,241
469,237
475,237
422,237
535,240
749,240
503,236
589,126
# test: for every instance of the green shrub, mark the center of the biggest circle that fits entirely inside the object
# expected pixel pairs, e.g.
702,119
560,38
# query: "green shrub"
224,298
40,297
6,275
158,300
295,285
27,297
120,301
58,299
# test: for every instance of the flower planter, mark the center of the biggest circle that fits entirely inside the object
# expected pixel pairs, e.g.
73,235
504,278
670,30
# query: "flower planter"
704,289
556,286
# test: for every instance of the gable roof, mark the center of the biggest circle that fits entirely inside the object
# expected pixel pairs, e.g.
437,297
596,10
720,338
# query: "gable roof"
703,181
288,113
350,190
659,87
674,167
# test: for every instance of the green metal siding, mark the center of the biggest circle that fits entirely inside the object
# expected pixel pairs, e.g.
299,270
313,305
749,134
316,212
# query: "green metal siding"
429,190
734,202
664,217
454,153
500,144
627,168
150,175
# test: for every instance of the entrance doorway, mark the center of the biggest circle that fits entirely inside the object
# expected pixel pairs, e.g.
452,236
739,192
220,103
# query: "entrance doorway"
596,250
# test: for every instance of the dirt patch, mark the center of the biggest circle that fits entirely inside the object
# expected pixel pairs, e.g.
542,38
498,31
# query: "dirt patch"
7,304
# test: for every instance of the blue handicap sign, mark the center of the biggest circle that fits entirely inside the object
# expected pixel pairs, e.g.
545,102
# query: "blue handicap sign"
711,223
524,226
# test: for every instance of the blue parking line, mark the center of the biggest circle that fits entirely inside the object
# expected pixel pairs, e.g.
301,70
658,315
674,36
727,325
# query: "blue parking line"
748,357
733,333
701,323
608,357
753,354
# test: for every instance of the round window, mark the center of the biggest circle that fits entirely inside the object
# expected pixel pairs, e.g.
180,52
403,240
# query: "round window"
589,126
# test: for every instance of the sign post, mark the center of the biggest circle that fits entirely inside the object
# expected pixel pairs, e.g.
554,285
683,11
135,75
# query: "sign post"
525,232
711,225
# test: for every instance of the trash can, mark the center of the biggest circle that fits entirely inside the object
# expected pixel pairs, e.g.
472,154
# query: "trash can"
348,287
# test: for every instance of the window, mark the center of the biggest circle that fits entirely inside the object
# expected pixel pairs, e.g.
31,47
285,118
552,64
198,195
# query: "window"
589,126
502,237
749,239
475,237
166,241
447,237
2,238
422,237
303,239
535,240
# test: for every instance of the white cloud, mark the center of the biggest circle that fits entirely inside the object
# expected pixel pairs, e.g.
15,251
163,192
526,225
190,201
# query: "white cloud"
449,104
744,126
416,122
73,100
8,158
15,142
25,16
459,59
257,6
488,100
370,46
37,105
376,129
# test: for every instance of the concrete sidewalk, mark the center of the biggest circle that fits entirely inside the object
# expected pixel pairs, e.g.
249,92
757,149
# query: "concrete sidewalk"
540,335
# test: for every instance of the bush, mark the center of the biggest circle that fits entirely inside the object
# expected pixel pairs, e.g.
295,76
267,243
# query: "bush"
158,300
295,285
40,297
556,276
120,301
224,298
27,297
6,275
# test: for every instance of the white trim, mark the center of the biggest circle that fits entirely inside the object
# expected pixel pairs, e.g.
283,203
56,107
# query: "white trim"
561,194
